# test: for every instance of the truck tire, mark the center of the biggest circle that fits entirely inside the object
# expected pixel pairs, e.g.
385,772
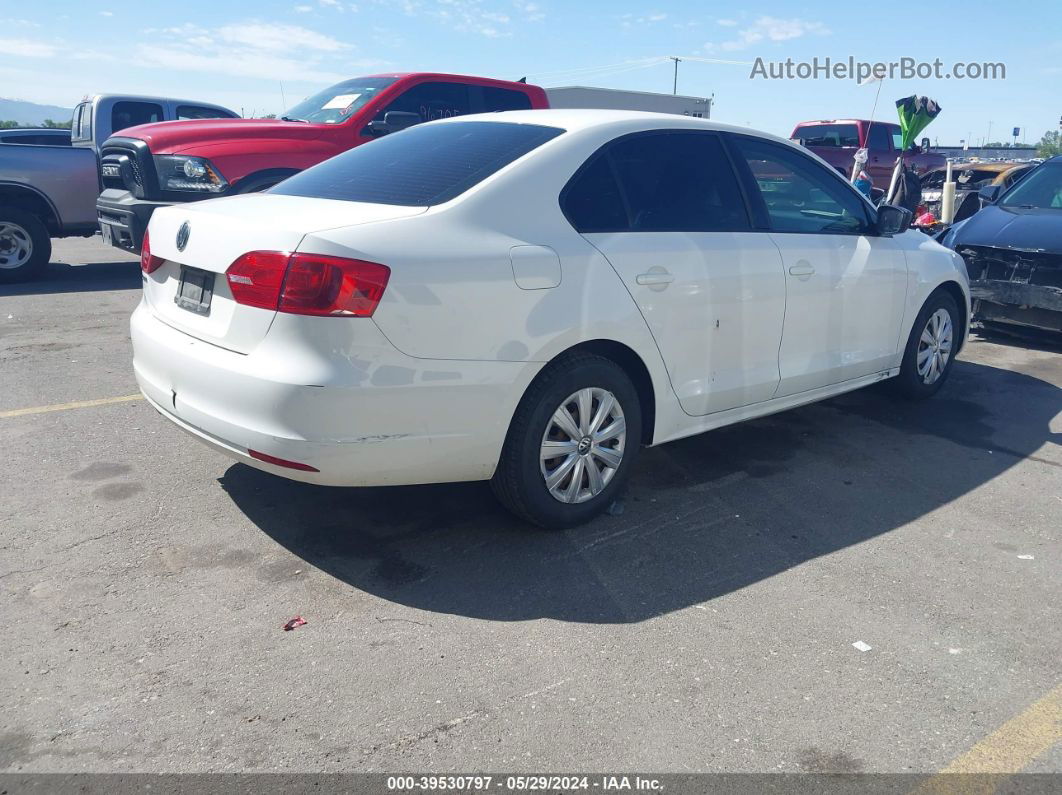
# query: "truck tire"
25,246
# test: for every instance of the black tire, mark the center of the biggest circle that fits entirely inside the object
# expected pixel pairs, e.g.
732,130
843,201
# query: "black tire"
17,229
910,383
519,481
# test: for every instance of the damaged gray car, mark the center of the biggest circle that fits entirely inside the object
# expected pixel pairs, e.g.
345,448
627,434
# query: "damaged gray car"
1013,251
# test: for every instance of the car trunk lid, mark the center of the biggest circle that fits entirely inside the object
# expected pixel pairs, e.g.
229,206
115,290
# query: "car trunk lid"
189,290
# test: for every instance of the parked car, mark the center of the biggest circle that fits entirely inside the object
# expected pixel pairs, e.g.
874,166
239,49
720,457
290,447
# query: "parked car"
529,298
1013,251
837,140
969,179
50,190
158,165
36,136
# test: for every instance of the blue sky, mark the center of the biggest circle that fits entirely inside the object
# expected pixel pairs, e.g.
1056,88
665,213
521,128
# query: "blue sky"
239,53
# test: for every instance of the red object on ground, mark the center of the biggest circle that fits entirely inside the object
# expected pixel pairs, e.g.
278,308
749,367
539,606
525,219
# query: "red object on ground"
926,219
298,621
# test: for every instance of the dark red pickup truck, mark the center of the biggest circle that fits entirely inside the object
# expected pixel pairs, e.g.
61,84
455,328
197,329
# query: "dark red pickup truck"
837,140
155,165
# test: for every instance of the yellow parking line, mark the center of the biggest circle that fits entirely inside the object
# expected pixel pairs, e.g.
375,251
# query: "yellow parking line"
78,404
1006,751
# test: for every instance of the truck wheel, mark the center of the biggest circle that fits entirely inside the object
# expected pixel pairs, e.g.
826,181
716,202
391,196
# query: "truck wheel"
25,247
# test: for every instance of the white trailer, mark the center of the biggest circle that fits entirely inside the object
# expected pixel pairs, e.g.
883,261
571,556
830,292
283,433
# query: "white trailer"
617,99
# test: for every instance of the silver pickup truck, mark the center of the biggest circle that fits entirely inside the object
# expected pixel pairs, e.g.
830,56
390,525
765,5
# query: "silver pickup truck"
51,191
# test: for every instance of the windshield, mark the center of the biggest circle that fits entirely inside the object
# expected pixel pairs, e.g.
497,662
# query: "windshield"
337,103
1041,189
424,165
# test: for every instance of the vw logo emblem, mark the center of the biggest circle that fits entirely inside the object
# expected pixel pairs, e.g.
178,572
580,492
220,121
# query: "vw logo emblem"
182,236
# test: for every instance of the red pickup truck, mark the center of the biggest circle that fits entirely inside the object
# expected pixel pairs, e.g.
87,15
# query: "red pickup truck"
837,140
154,165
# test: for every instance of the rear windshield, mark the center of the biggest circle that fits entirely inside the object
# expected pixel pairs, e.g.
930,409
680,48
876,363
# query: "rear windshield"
833,135
424,165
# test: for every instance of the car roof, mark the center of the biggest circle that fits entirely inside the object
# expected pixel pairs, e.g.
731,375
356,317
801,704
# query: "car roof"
577,119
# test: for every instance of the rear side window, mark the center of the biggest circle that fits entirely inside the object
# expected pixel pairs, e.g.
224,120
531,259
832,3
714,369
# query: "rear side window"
593,202
197,112
129,114
420,166
879,137
836,135
658,182
488,99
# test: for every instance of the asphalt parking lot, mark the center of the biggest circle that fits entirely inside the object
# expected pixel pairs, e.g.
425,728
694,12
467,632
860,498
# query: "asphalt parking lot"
708,626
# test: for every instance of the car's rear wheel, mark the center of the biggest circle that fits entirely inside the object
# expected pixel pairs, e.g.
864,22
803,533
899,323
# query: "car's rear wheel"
931,347
571,443
25,247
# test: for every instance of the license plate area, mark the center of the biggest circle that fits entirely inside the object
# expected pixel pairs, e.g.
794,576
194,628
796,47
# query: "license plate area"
195,290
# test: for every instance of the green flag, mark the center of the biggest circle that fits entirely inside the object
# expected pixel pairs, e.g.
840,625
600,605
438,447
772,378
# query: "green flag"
916,112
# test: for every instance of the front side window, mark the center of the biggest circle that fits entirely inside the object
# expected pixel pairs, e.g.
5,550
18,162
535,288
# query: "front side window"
420,166
800,195
658,182
130,114
431,101
197,112
338,103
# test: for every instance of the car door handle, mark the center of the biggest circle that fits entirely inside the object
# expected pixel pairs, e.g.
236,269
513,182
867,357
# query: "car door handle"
802,269
654,278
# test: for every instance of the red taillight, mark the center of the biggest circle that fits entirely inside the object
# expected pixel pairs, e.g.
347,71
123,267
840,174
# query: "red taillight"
308,284
281,462
149,263
255,278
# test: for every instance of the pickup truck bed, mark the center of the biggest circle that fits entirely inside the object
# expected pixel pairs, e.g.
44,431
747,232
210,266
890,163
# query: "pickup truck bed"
45,192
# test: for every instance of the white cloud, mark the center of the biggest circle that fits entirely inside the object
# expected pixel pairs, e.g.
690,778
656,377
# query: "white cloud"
630,20
727,23
27,48
279,38
266,50
769,29
532,12
106,13
303,9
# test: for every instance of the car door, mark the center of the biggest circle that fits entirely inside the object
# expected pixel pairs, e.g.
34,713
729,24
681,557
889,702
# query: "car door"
845,285
667,211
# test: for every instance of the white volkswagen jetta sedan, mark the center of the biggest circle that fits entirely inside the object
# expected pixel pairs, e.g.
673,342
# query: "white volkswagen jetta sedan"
530,297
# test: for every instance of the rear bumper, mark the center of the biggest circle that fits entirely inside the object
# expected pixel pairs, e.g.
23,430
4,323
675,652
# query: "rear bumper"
370,417
123,218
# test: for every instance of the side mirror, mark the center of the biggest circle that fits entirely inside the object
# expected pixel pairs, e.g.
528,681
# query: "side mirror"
892,220
989,193
925,144
393,121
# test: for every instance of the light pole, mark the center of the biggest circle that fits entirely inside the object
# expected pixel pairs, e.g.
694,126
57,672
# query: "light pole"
674,85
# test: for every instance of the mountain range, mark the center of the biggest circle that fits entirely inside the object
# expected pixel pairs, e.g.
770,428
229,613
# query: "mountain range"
30,112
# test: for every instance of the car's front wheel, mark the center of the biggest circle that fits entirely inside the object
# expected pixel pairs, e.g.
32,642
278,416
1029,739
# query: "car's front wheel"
931,347
571,443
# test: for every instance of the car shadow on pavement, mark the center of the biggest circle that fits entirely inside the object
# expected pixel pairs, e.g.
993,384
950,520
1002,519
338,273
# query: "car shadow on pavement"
62,277
701,517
